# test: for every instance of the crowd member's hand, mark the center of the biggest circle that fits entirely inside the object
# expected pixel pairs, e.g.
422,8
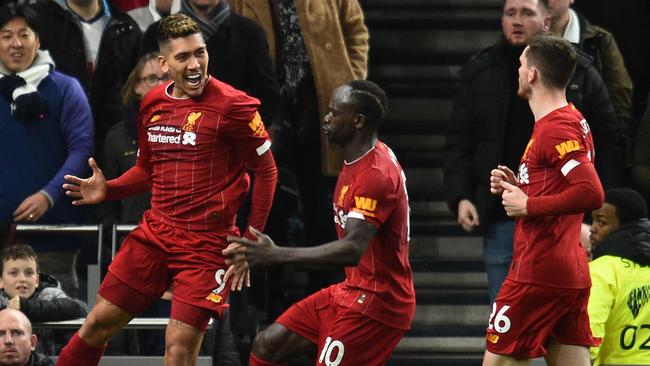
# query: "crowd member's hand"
87,191
32,208
501,174
14,303
467,215
514,200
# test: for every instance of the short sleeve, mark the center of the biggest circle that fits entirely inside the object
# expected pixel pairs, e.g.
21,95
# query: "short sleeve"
373,197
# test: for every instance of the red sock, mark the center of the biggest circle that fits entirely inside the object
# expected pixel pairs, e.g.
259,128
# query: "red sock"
255,361
79,353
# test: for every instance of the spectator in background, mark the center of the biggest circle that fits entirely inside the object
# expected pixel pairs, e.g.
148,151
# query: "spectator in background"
97,44
153,12
38,295
17,343
601,46
628,22
490,125
47,130
241,55
620,277
121,146
316,46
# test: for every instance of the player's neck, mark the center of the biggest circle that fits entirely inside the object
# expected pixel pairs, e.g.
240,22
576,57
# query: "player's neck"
545,101
358,148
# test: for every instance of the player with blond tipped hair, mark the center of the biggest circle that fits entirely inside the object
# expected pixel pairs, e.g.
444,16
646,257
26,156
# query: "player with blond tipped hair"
197,138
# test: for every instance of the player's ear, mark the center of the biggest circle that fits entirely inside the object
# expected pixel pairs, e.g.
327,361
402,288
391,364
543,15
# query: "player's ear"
162,62
533,75
360,121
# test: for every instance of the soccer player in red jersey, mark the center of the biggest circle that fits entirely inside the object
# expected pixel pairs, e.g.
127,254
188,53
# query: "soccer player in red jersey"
197,136
360,320
541,309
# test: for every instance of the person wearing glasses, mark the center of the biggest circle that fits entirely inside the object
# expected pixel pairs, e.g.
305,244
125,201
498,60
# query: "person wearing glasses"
121,145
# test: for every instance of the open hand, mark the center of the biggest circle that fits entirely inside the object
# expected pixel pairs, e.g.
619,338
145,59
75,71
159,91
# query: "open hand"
238,270
86,191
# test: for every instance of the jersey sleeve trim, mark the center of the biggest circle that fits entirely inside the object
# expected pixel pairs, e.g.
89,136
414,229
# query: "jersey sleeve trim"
356,215
568,166
263,148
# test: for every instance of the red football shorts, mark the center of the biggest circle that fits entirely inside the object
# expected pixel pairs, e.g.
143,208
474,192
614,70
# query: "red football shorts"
526,318
155,255
343,337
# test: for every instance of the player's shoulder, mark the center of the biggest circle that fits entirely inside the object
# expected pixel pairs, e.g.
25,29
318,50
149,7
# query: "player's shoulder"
154,96
380,166
231,101
566,121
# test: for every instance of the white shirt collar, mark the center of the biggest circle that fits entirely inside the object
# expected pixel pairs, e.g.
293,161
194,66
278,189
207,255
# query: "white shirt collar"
572,31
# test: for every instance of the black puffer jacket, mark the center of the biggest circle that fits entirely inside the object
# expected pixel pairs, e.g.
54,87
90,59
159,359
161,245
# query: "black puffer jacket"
477,130
60,34
37,359
48,302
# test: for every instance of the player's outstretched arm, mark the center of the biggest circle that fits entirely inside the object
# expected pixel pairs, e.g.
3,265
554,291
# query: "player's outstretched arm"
343,252
86,191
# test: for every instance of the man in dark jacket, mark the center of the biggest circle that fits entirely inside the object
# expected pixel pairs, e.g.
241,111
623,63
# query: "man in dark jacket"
97,44
601,46
17,343
490,125
240,54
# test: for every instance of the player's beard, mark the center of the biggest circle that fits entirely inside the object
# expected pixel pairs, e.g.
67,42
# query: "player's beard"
523,91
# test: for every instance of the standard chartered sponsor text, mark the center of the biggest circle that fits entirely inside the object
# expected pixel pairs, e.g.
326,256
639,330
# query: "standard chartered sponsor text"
163,139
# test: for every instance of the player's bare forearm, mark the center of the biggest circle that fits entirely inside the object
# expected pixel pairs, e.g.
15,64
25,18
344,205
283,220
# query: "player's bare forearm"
333,254
263,252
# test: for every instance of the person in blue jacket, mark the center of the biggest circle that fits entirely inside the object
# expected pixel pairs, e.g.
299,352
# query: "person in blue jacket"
46,129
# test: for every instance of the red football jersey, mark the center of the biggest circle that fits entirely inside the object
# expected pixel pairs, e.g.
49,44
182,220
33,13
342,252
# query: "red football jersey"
373,188
196,150
547,249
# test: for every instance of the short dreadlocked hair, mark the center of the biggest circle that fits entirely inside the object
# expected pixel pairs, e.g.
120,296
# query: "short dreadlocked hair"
369,99
175,26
